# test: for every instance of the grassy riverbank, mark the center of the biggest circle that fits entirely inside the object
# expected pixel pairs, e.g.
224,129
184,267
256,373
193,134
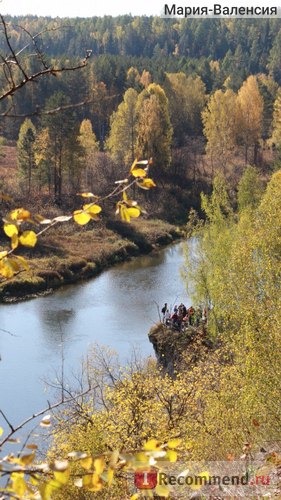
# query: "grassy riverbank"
70,253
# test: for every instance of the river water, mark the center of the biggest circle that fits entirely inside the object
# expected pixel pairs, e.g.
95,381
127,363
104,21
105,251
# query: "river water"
115,309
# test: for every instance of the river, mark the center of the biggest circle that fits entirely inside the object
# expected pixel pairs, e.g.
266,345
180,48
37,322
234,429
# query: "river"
115,309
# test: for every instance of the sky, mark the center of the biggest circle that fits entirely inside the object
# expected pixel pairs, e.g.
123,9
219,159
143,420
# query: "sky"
81,8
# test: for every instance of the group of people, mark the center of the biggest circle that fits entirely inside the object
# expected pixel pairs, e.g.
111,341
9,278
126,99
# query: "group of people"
180,316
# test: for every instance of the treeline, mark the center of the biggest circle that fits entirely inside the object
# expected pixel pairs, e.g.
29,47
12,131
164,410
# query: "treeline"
249,46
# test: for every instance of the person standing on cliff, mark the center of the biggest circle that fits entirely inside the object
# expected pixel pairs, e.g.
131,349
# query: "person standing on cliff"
164,310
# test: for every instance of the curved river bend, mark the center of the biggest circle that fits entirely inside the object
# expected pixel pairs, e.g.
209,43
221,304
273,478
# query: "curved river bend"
116,309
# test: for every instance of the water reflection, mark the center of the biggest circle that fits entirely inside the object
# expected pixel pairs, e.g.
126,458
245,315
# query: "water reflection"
56,325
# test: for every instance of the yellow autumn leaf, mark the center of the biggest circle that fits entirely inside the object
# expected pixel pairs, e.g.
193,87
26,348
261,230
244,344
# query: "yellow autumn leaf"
3,254
28,239
92,209
1,431
62,477
151,445
18,484
99,465
92,482
135,496
124,213
171,455
81,217
14,213
110,476
23,214
133,165
133,212
136,163
14,241
6,269
47,489
138,172
10,229
146,183
86,462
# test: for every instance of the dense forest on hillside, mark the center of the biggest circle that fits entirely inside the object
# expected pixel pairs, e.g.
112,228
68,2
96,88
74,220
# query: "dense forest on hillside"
216,50
209,90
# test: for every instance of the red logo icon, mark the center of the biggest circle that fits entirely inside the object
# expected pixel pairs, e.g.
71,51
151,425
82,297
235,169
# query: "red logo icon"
146,479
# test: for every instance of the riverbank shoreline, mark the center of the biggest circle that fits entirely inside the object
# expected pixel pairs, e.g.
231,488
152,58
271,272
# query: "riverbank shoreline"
64,258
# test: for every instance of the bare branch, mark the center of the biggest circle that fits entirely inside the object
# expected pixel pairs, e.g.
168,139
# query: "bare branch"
50,407
13,59
39,112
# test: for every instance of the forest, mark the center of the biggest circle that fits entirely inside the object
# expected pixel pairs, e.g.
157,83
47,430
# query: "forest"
193,95
192,110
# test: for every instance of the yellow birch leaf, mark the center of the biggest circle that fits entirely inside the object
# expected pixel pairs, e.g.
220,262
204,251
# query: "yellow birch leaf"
133,165
10,229
92,482
48,488
124,213
133,211
6,269
3,254
110,476
99,465
62,477
92,209
28,239
86,462
138,172
171,455
135,496
81,217
146,183
151,445
1,431
23,214
14,241
18,484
